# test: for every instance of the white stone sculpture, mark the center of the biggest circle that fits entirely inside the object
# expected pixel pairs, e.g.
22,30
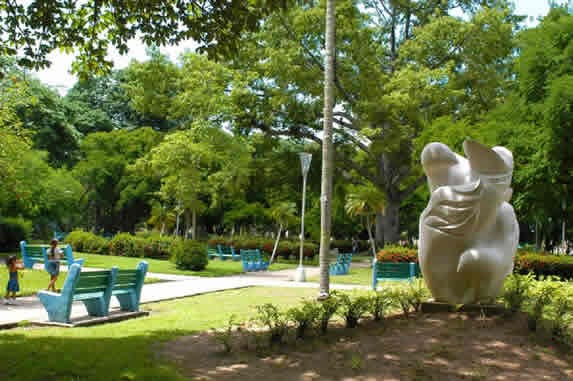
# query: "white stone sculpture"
468,231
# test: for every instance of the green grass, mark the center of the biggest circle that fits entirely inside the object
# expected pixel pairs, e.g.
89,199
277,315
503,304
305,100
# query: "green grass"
361,276
215,267
124,351
31,281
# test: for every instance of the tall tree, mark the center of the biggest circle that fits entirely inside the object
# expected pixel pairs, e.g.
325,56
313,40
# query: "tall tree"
327,148
32,30
400,66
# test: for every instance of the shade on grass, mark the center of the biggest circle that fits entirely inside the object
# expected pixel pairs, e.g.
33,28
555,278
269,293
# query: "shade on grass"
361,275
124,351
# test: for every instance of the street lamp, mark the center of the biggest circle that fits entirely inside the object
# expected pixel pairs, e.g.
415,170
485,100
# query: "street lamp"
305,159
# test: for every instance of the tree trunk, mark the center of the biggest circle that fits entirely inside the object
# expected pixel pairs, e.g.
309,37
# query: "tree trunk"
391,222
370,238
187,224
194,224
379,228
276,245
162,229
327,150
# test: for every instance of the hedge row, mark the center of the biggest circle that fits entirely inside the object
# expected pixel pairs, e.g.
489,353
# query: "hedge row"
540,264
286,248
12,231
122,244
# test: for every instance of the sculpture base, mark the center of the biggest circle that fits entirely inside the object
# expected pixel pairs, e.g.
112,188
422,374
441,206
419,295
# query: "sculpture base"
432,306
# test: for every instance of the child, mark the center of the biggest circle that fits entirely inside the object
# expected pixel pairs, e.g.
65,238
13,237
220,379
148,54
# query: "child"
54,254
12,287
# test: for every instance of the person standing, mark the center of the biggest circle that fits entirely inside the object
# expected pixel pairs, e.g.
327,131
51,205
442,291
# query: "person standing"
54,255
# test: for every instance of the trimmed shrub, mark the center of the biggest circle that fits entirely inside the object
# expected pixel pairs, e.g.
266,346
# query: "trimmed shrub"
124,244
89,242
189,255
544,264
397,254
156,246
12,231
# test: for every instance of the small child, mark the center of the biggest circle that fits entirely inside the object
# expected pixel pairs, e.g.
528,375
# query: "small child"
13,286
54,254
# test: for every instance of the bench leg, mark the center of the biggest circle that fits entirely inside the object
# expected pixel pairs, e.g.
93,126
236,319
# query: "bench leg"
96,307
128,302
28,263
58,309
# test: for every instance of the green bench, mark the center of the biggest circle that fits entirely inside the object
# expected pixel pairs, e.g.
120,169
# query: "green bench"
32,254
252,260
95,289
212,253
227,252
342,264
394,271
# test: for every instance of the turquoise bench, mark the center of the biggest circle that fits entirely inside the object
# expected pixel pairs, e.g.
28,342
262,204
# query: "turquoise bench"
342,264
394,271
39,254
252,260
128,285
212,253
95,289
225,252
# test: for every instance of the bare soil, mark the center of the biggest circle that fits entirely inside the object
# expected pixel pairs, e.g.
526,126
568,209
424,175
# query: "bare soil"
421,347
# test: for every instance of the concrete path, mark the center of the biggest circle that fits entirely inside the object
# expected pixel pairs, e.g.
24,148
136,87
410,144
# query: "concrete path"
174,286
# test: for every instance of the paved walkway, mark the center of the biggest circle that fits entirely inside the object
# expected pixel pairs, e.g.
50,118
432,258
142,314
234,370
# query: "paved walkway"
174,286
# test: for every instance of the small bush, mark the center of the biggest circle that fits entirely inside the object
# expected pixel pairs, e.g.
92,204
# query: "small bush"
12,231
401,298
304,316
328,308
379,302
417,293
562,317
124,244
270,317
397,254
225,336
517,290
189,255
353,309
543,264
156,246
541,299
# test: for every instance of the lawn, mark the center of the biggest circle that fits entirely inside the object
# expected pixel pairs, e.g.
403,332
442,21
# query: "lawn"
215,268
31,281
360,275
124,351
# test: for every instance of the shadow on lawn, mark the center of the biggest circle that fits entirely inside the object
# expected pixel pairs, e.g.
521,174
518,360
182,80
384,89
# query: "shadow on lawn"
66,354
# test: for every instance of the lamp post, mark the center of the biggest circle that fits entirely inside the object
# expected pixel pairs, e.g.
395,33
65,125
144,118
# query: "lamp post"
305,159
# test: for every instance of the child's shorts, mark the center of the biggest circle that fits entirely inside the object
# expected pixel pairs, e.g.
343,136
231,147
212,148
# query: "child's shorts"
54,268
13,286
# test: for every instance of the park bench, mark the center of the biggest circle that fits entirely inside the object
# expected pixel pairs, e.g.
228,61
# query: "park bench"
252,260
39,253
225,252
95,289
127,287
212,253
342,264
394,271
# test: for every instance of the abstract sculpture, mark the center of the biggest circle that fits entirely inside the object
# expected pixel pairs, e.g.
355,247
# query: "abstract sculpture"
468,231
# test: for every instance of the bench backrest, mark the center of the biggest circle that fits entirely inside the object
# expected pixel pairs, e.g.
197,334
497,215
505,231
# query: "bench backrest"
93,282
226,250
344,258
131,279
251,255
395,270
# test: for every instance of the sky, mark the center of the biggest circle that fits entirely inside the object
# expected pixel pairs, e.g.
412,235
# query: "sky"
59,77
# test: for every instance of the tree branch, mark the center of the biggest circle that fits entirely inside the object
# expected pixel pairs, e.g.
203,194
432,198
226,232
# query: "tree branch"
410,189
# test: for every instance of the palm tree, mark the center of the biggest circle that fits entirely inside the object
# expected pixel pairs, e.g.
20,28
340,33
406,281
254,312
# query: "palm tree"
327,150
366,201
283,213
161,216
